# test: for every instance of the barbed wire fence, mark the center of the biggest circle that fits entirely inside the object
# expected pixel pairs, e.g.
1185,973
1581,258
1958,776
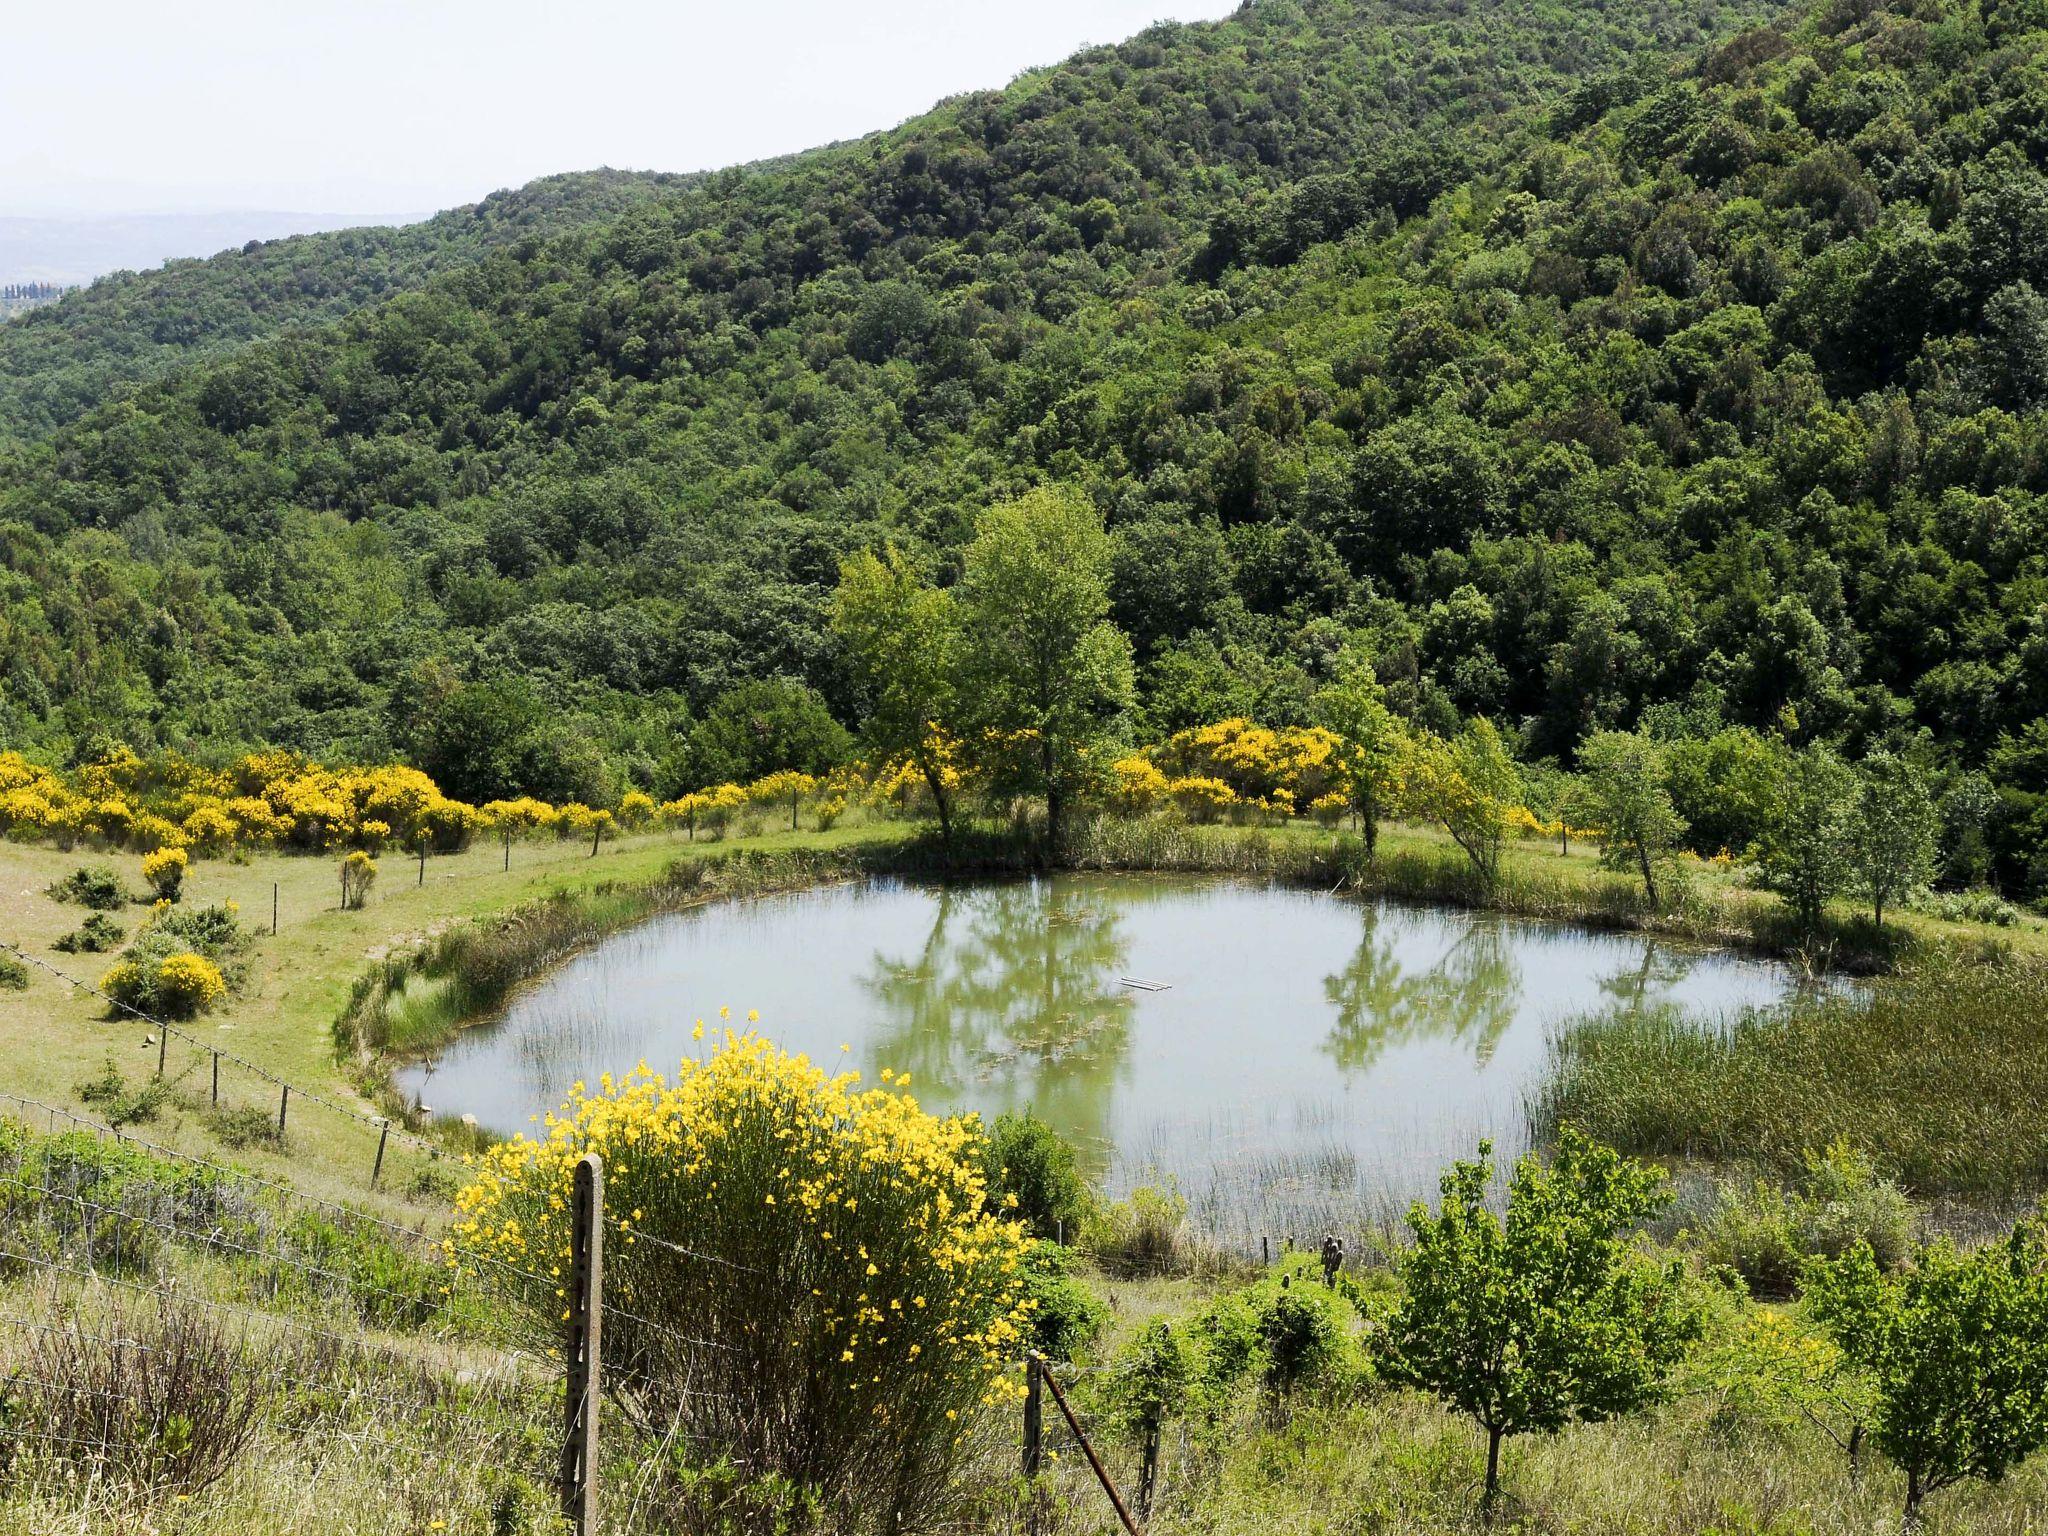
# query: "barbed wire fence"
200,1063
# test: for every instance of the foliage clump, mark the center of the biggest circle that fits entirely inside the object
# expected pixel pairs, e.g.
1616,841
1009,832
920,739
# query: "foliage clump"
830,1240
1546,1316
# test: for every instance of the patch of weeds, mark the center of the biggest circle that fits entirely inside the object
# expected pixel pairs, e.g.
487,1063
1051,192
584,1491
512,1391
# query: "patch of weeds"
243,1125
96,935
117,1103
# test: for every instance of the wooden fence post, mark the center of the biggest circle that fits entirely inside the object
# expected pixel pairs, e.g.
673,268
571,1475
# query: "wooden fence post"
163,1046
1034,1439
378,1168
216,1079
582,1344
284,1097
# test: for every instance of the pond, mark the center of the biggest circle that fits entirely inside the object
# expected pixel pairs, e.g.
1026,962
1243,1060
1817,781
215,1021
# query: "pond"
1290,1060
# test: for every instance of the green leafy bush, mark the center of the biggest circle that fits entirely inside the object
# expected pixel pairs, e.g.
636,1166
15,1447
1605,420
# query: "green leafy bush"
117,1103
1767,1233
1066,1316
1025,1157
96,935
91,885
1146,1234
13,973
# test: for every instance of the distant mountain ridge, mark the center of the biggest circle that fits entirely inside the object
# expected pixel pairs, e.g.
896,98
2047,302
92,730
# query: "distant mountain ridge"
72,250
62,359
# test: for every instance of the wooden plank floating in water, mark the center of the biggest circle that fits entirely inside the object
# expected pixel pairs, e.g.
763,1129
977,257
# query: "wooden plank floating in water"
1145,986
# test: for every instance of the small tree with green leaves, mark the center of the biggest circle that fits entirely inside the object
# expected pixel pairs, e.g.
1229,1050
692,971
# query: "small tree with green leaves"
1373,742
902,641
1955,1346
1550,1316
1466,786
1047,671
1804,853
1623,793
1147,1387
1892,835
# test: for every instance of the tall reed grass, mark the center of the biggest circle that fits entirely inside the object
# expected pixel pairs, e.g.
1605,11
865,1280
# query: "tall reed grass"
1939,1075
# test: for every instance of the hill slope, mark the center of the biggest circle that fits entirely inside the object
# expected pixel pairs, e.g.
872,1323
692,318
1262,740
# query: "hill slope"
622,465
135,326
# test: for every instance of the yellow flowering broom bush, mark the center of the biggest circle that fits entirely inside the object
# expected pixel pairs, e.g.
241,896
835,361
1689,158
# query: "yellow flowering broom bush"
805,1278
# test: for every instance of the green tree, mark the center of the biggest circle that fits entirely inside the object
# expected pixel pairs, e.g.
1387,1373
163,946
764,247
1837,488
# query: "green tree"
762,727
1466,786
1956,1348
473,740
901,639
1048,671
1148,1385
1892,837
1624,795
1033,1177
1549,1316
1804,852
1354,706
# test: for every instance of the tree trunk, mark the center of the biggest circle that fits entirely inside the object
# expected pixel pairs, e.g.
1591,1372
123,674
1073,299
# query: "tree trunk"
794,802
1649,876
933,783
1914,1494
1855,1453
1055,805
1491,1496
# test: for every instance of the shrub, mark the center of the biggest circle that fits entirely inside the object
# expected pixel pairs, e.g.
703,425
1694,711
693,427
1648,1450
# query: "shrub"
1972,907
1146,1234
188,984
1066,1317
175,985
1299,1340
164,870
1148,1385
243,1125
358,874
1767,1234
1026,1158
91,885
158,1399
833,1245
118,1105
13,974
96,935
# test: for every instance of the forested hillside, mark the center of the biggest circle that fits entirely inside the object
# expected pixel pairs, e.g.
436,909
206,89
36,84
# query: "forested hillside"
1593,381
134,326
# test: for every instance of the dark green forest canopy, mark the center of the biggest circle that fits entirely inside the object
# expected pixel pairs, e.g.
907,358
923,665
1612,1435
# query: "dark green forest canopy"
1595,360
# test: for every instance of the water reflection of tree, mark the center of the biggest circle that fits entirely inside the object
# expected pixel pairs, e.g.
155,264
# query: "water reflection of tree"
1468,996
1013,995
1656,972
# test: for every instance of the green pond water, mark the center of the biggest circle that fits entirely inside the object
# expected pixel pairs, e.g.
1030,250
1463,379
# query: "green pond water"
1290,1060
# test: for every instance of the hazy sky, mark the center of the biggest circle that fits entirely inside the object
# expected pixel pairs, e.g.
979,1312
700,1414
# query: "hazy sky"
410,105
